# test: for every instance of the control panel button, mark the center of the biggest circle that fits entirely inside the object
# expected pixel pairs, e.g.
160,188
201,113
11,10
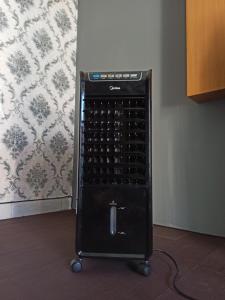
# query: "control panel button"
134,76
103,76
118,76
126,76
95,76
111,76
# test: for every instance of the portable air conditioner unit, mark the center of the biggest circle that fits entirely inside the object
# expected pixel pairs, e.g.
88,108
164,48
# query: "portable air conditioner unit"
114,205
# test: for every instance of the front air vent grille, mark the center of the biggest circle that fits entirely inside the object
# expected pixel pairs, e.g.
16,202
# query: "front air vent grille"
114,141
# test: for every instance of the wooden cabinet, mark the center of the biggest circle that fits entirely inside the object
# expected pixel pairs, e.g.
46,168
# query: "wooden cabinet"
205,29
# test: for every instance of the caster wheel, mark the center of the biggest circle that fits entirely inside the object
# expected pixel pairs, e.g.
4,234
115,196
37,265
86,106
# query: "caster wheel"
142,268
76,265
145,270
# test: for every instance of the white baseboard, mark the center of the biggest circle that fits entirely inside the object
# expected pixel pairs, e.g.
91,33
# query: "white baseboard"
21,209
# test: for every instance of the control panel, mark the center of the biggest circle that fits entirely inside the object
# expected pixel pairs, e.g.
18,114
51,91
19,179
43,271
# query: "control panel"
118,76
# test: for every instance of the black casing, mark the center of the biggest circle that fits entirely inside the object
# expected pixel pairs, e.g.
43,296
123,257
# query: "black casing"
114,209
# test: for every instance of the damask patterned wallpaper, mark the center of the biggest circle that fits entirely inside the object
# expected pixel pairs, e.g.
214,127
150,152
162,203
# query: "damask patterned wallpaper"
37,97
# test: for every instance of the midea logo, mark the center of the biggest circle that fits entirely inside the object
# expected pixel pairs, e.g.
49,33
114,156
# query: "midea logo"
112,88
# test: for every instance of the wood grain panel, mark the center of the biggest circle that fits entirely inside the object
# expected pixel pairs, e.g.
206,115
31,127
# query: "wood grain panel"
205,21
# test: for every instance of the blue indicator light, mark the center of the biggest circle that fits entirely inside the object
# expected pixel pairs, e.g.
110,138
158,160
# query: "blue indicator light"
96,76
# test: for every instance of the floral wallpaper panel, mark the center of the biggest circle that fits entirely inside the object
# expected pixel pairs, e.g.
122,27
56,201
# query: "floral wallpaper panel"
37,97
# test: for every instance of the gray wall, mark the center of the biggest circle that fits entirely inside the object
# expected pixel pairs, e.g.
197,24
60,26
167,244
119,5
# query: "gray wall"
188,138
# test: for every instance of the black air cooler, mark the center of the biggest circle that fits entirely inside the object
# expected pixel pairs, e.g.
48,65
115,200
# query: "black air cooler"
114,207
